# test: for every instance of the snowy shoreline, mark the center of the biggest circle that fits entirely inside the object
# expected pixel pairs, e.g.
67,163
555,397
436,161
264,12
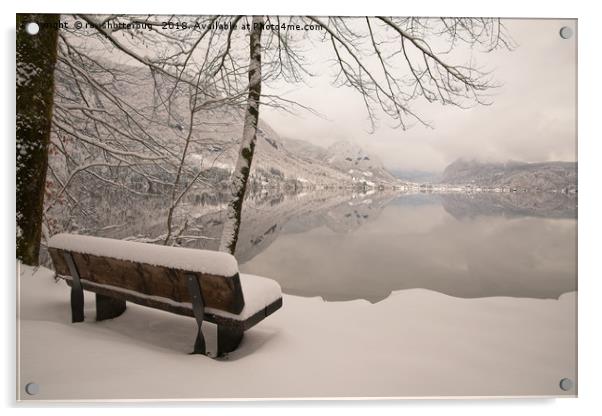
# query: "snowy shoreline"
415,343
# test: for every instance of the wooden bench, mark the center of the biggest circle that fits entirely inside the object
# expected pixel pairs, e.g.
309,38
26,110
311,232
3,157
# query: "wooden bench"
199,283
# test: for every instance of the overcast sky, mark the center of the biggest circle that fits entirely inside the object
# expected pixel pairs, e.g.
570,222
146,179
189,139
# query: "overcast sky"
533,117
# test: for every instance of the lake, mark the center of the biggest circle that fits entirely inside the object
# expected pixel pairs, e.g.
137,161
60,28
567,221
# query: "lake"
366,246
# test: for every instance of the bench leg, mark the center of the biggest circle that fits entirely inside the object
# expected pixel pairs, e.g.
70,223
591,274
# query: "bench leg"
77,304
228,339
198,308
108,307
77,292
199,343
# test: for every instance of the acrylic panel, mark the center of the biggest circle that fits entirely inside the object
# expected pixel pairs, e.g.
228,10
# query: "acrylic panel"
317,207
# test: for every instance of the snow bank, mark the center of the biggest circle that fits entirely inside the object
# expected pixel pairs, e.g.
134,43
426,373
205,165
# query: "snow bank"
414,343
258,292
202,261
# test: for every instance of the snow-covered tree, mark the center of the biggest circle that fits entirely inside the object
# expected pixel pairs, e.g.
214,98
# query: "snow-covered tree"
35,61
114,129
242,168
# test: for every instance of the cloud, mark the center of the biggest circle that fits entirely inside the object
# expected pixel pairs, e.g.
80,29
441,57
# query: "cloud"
533,117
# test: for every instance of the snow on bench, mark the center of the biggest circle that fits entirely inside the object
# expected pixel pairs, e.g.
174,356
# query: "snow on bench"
200,283
203,261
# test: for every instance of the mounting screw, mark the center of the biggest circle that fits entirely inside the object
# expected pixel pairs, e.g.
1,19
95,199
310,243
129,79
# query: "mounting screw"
566,384
566,32
32,389
32,28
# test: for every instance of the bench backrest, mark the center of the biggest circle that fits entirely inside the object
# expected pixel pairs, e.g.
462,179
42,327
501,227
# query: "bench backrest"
151,269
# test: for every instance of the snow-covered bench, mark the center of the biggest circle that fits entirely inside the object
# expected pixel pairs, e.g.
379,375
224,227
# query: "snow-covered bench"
199,283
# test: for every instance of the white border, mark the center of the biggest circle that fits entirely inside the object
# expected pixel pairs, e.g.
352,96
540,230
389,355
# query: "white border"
590,153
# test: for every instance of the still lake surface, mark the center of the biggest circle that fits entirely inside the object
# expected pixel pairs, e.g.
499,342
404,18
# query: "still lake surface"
367,246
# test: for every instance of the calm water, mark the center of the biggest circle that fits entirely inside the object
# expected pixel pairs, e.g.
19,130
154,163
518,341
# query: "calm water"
366,246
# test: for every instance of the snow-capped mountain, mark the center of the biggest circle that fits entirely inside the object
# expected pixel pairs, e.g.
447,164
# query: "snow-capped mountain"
351,158
273,164
295,163
346,157
542,176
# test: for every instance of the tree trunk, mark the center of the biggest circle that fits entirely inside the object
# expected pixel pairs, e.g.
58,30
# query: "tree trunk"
240,176
36,57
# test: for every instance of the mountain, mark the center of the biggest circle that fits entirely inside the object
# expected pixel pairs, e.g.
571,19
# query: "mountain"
419,176
273,164
350,158
215,139
304,149
346,157
543,176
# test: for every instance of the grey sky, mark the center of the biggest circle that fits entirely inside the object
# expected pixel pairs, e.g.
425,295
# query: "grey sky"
532,118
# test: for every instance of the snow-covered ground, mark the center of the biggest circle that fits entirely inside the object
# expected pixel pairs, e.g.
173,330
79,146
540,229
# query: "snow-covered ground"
414,343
